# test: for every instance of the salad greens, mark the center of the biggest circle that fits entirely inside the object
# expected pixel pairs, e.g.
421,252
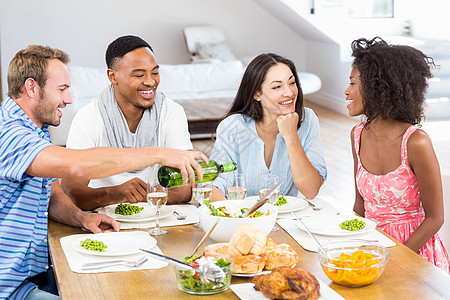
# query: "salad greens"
223,212
190,279
190,259
255,214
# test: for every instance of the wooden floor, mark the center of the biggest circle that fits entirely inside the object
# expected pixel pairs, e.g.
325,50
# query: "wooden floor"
335,132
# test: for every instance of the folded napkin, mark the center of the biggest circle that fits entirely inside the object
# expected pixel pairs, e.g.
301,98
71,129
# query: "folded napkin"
245,291
170,220
76,258
302,237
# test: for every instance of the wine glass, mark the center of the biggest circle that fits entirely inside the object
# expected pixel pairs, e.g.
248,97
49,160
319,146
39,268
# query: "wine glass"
236,187
265,184
157,198
201,192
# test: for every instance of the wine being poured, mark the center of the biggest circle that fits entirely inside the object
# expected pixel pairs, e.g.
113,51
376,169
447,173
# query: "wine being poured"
170,177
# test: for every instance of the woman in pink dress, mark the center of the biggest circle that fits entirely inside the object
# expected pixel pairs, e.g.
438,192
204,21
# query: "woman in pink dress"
397,175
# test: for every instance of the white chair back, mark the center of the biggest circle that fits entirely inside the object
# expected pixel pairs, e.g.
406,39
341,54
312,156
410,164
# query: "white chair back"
202,35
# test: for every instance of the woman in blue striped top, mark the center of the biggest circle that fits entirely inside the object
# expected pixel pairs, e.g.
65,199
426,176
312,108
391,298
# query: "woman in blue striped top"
268,131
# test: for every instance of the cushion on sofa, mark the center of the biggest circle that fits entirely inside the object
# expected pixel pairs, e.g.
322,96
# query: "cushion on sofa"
198,78
220,51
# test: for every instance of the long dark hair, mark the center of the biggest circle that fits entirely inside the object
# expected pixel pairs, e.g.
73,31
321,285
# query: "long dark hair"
393,79
244,102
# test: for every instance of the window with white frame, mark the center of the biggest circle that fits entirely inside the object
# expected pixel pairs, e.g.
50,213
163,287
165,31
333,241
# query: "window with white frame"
360,8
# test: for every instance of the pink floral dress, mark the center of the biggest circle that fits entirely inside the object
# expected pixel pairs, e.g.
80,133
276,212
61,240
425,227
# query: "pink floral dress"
393,202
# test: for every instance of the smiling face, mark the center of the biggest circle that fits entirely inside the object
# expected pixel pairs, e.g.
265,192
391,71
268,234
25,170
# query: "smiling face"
54,96
135,78
353,95
278,93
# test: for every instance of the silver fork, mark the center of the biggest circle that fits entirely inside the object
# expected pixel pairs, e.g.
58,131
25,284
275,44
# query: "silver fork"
179,217
314,206
119,262
363,240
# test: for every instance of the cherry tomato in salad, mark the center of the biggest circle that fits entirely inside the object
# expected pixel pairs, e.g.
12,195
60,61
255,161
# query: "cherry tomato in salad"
195,264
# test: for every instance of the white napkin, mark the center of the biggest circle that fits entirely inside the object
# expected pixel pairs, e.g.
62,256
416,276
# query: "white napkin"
245,291
76,259
302,237
185,210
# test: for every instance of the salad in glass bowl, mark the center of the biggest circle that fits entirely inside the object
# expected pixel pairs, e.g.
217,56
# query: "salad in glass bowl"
189,280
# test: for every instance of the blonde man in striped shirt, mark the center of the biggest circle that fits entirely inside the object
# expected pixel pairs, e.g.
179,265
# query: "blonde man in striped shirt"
38,83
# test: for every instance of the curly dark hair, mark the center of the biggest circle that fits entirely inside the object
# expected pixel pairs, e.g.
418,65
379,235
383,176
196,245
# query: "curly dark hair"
244,102
393,79
121,46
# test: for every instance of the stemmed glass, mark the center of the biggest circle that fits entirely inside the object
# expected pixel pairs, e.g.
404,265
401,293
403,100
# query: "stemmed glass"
265,184
236,187
157,198
201,192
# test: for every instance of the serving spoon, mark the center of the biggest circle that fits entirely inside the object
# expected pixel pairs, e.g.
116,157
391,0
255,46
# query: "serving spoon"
310,234
209,272
207,234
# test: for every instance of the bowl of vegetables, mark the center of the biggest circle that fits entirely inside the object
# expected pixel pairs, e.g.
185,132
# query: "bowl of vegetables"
353,264
228,211
190,281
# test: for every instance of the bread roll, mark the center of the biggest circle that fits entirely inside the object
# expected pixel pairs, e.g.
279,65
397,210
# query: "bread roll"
281,255
248,264
259,245
233,252
214,249
270,244
247,239
242,241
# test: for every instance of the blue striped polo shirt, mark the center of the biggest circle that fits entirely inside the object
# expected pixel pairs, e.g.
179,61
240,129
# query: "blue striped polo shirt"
23,202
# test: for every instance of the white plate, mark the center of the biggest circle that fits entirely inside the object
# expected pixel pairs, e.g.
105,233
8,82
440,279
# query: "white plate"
147,214
329,225
245,291
251,274
293,204
119,243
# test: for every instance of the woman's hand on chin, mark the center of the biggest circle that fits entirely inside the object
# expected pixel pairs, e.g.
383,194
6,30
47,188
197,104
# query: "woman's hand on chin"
287,125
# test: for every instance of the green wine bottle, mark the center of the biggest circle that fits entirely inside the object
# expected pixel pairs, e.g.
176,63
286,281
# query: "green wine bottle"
169,177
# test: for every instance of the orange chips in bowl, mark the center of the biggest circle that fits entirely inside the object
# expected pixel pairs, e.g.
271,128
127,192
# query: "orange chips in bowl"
353,264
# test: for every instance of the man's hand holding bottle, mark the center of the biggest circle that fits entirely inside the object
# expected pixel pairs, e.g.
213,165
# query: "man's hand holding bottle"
186,162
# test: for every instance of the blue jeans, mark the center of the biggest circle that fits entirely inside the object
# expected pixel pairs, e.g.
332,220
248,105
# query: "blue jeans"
46,286
38,294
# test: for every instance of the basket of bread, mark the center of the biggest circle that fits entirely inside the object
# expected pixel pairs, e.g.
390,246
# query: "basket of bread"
253,252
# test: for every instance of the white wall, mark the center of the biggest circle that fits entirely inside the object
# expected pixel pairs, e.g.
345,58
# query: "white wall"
328,53
84,28
429,19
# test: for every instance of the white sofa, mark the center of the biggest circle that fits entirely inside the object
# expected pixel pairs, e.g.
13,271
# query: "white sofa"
178,82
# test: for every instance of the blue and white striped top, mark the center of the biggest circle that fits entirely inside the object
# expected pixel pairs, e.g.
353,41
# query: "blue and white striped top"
23,202
237,141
